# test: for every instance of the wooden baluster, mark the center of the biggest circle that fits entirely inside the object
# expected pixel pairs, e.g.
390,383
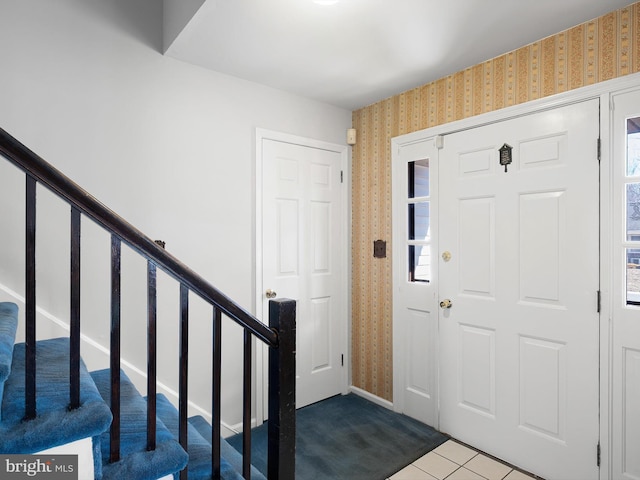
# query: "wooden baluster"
151,354
116,248
74,309
183,380
30,300
216,393
246,409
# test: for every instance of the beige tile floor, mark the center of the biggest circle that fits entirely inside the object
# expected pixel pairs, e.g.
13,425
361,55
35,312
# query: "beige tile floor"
453,461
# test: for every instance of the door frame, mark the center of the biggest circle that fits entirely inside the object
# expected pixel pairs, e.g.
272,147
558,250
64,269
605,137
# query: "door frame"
261,352
604,91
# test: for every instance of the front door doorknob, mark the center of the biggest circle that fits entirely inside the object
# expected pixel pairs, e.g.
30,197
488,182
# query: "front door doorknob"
446,303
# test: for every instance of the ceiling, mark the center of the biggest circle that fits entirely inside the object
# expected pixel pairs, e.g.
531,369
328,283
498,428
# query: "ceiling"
358,52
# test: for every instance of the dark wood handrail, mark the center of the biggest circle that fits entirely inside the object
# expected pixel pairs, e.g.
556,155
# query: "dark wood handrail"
63,186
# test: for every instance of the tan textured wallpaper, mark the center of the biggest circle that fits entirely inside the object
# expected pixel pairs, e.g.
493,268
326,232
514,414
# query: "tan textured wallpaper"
595,51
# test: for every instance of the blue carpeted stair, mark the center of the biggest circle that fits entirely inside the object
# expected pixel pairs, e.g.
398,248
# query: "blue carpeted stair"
8,327
199,435
56,425
136,461
230,454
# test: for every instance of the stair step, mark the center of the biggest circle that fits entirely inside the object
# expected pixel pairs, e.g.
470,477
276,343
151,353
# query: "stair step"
199,448
136,462
54,424
8,327
230,454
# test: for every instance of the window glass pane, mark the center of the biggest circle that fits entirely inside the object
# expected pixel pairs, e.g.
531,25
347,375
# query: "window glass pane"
633,275
633,211
419,263
419,225
419,178
633,147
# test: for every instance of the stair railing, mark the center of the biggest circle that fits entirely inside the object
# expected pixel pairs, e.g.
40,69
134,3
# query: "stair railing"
279,336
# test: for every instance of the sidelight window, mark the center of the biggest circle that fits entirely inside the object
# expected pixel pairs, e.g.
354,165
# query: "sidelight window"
632,215
418,215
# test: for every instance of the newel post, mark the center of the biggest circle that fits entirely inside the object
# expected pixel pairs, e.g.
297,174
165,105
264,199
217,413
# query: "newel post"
282,392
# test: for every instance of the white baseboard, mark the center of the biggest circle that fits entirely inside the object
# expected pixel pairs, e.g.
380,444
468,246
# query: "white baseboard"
371,397
237,428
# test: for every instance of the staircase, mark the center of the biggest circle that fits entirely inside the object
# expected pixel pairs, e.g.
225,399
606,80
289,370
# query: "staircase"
49,399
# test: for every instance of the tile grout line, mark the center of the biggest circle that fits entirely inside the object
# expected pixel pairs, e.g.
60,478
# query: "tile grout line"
487,455
477,452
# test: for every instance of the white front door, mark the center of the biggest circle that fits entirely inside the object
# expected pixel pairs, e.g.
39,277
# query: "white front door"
303,248
625,352
519,345
415,315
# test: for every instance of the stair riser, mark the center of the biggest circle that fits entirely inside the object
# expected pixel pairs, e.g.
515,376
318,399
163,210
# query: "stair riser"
83,449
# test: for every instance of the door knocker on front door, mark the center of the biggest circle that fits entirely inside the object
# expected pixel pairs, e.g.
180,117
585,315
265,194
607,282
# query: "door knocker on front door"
505,156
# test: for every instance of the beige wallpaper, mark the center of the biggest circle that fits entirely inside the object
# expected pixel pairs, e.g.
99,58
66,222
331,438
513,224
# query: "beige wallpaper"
595,51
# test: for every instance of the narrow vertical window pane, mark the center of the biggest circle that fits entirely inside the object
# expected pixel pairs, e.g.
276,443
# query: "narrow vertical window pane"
633,276
633,212
419,225
419,178
633,147
419,263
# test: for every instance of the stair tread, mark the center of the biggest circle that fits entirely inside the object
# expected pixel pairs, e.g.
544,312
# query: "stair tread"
54,424
8,328
229,453
136,461
198,447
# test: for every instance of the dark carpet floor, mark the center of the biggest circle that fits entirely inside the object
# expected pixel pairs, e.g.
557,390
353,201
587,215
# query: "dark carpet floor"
350,438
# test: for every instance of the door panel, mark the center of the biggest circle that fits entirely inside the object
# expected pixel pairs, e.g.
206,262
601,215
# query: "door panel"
302,244
542,241
519,346
477,246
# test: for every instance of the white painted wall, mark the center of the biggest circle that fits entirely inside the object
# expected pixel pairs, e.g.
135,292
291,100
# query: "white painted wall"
167,145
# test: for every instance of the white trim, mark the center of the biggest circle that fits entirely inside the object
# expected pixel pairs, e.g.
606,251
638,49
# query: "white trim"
262,352
606,279
371,397
604,91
